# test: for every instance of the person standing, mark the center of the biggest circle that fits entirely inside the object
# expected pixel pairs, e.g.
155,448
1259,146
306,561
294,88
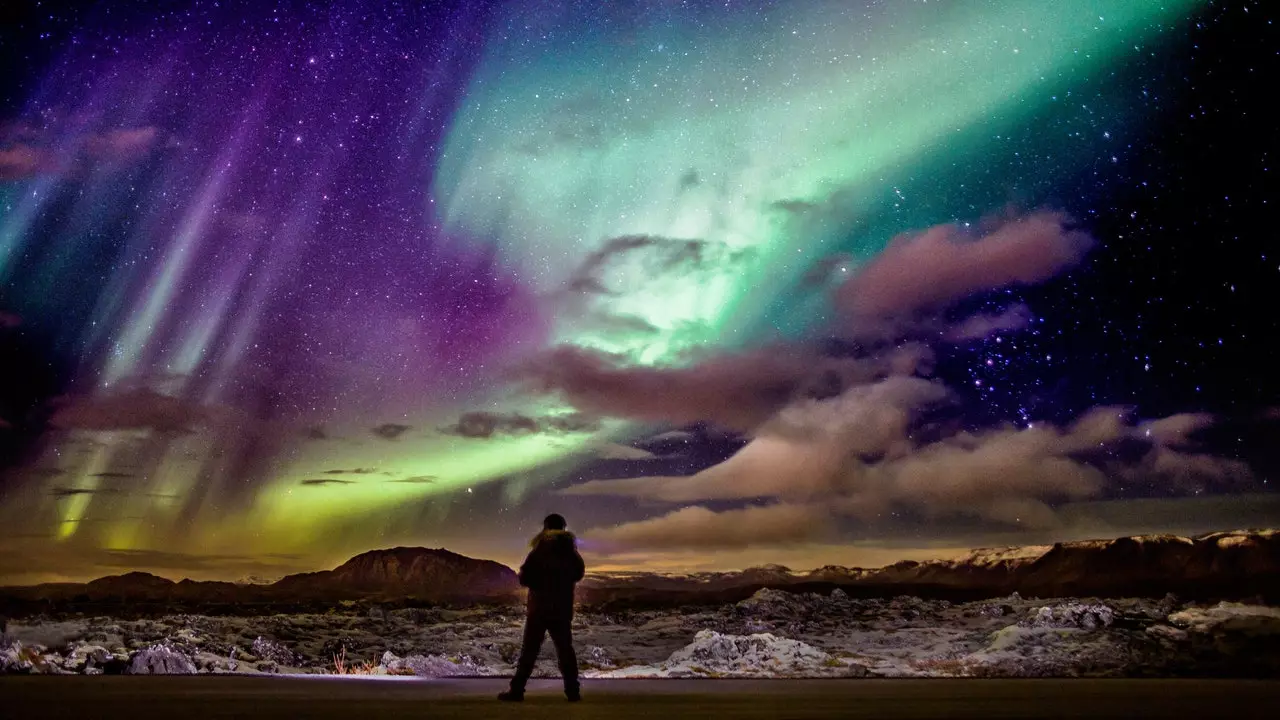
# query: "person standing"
551,571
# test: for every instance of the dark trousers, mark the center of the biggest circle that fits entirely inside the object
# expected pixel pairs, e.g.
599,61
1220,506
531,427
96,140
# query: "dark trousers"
536,627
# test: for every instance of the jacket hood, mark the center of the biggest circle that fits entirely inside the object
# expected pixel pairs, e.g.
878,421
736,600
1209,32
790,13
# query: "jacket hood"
553,536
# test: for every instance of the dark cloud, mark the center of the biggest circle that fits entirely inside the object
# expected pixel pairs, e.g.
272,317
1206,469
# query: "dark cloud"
690,179
117,475
129,410
326,481
481,424
65,492
738,391
390,431
354,471
662,255
935,268
416,480
315,432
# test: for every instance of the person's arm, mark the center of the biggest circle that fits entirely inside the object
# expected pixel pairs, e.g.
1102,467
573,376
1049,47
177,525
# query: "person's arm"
531,570
579,567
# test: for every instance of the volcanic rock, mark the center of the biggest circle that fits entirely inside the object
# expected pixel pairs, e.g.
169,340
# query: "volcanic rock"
160,660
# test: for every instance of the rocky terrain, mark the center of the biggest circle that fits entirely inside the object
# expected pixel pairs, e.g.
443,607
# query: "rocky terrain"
773,633
1195,607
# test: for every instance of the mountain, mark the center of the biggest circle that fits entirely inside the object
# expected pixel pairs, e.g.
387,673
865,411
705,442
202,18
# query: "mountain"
1223,565
1217,566
394,575
408,572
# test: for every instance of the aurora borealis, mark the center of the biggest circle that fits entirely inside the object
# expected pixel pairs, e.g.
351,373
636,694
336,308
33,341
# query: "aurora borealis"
284,282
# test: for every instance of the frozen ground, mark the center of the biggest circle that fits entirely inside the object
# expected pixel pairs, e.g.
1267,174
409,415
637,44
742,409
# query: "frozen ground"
773,634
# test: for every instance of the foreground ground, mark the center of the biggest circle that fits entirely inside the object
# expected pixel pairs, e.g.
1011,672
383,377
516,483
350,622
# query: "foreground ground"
770,635
194,698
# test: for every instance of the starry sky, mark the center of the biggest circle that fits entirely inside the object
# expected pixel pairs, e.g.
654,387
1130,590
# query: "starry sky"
806,281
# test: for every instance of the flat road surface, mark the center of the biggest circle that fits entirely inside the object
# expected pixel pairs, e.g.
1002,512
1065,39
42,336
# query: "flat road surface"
194,698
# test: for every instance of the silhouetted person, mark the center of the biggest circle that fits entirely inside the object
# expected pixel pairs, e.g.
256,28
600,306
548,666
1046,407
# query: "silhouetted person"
550,572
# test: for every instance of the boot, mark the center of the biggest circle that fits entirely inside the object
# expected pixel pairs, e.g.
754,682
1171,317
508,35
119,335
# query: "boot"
512,695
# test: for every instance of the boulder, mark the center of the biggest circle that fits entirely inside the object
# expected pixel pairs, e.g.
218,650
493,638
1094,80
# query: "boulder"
160,660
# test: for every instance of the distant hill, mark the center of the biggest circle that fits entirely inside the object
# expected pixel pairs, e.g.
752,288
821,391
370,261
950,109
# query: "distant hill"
424,575
1223,565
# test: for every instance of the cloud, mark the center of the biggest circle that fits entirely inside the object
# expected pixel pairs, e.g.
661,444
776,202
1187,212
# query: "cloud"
315,432
1176,430
129,410
121,144
20,161
354,471
480,424
799,454
702,528
416,480
937,267
738,391
65,492
616,451
983,326
326,481
390,431
29,152
856,457
116,475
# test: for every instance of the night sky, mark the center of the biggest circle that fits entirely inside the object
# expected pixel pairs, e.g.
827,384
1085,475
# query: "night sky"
726,283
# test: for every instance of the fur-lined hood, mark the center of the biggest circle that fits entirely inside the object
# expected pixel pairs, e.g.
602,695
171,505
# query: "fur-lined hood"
553,536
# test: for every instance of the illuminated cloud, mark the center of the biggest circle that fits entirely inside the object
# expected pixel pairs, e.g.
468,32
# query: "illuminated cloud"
944,264
984,325
698,527
854,457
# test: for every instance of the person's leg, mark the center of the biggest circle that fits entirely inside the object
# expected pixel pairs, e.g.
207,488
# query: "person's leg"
562,637
535,629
